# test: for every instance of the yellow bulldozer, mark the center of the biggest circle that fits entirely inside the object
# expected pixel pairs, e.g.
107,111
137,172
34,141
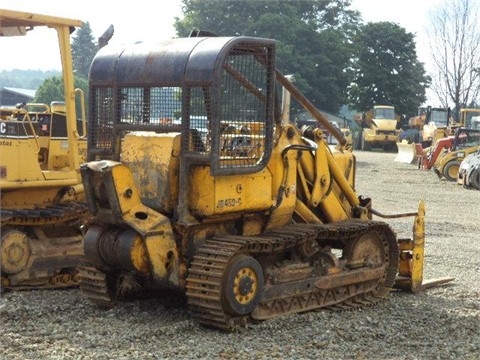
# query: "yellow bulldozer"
41,194
274,229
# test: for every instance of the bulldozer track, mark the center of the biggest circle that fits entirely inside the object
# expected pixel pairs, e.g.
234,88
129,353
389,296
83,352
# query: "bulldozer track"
206,275
29,221
60,281
47,215
95,286
207,272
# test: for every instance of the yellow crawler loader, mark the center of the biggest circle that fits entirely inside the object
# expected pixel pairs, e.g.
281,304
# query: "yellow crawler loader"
41,194
272,229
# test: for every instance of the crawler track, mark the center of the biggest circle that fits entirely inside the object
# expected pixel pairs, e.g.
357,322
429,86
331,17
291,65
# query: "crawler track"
348,285
42,247
205,281
48,215
96,286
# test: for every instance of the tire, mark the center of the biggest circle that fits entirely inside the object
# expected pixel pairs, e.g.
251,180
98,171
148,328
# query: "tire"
365,145
358,140
474,178
450,170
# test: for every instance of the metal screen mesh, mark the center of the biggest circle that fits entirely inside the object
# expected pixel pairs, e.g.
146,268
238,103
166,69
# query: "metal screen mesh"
243,110
100,130
130,109
229,121
200,138
223,114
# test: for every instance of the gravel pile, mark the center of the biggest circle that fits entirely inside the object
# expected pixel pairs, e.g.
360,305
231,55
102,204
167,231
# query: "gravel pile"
440,323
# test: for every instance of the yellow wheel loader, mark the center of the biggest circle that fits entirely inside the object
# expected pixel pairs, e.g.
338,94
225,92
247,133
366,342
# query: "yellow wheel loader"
41,194
274,229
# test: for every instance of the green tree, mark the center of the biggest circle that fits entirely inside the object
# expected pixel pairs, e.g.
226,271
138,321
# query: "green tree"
25,79
312,38
84,49
52,89
386,69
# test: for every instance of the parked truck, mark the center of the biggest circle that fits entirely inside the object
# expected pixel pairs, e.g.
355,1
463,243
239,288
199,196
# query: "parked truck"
380,128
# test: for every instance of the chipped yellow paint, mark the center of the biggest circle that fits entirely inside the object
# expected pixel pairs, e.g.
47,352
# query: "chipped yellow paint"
412,253
153,160
155,229
228,194
138,255
162,251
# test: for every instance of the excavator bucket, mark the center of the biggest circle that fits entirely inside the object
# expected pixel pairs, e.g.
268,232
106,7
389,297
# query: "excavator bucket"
406,152
412,252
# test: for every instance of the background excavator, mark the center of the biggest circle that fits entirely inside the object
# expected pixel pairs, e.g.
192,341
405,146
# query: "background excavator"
247,234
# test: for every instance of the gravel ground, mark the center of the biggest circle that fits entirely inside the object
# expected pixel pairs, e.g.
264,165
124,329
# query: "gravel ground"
440,323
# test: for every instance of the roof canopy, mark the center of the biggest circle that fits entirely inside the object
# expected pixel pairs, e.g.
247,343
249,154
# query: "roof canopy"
194,61
16,23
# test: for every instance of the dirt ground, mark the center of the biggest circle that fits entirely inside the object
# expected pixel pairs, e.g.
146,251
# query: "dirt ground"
440,323
452,212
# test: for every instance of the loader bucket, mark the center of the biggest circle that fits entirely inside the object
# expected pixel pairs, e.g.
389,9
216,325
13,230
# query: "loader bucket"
406,152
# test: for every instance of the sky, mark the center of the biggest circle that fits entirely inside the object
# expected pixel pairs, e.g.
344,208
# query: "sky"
132,20
413,15
138,21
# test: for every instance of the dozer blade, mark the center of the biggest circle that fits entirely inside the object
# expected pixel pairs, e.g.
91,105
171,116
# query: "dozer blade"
412,252
406,152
